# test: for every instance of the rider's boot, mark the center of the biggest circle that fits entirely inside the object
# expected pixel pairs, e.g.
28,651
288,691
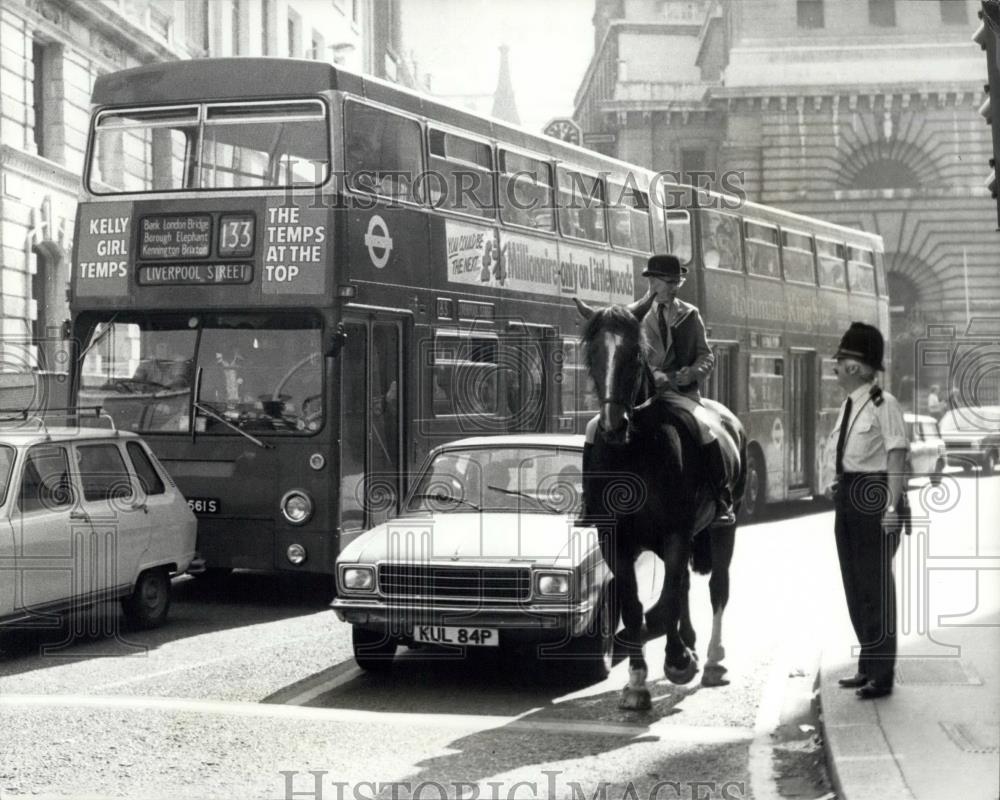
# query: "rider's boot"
716,468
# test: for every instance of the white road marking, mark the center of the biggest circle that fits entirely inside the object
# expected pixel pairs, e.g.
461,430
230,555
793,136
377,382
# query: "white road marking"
344,673
662,730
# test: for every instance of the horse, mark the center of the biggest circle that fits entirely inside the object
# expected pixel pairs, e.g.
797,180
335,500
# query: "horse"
645,488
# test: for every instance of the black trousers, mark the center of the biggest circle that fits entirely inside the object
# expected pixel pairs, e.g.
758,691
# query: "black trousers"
866,553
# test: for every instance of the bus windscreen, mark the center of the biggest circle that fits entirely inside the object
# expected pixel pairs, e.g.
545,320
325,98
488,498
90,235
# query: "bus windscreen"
259,373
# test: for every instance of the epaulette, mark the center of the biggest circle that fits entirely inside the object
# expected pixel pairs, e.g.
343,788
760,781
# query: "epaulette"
875,393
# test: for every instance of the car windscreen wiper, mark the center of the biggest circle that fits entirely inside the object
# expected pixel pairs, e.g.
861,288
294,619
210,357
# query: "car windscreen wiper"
442,496
532,497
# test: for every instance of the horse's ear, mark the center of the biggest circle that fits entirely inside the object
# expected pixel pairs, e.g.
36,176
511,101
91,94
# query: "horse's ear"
585,311
640,307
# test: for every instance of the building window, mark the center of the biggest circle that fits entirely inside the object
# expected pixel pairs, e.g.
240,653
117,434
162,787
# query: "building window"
693,161
46,102
954,12
882,13
316,48
355,11
809,13
236,27
294,35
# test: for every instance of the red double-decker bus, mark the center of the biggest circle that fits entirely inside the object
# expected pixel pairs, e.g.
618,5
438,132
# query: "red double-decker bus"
294,281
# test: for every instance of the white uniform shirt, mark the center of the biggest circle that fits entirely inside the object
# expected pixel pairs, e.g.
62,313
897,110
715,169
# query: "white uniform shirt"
872,432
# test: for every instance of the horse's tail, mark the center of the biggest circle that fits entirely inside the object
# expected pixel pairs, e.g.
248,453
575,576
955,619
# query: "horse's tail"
701,552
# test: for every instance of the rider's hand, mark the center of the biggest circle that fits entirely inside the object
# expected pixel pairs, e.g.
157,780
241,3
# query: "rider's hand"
683,376
660,378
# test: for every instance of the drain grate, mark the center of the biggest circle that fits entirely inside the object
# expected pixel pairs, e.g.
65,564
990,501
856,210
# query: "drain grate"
974,737
936,672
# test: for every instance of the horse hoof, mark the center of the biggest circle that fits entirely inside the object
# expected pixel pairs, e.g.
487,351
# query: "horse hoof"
714,675
635,699
681,675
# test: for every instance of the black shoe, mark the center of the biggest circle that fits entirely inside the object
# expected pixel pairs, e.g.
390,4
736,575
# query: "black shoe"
853,683
871,690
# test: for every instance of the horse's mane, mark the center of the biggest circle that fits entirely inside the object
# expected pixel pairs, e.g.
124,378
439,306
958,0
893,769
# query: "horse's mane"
613,319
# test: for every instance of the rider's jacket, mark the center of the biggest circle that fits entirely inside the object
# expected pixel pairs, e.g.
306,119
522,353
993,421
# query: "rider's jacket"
687,344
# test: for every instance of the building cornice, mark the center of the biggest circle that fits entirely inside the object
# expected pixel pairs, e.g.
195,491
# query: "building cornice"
116,33
39,170
853,96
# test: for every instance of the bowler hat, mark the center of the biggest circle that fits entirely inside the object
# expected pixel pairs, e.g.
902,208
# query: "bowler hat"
664,266
863,343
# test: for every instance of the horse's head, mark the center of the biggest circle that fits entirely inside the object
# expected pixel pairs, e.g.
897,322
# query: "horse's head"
615,361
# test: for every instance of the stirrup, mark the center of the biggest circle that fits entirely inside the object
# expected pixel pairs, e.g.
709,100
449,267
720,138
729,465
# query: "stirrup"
723,516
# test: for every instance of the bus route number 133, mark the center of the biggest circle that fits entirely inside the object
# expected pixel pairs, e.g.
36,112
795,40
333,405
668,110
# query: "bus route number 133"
236,235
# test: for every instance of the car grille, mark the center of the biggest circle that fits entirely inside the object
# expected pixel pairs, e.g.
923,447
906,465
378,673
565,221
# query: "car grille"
960,445
460,584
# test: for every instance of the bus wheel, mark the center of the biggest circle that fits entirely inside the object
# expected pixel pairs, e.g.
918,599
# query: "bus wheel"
149,602
755,493
373,649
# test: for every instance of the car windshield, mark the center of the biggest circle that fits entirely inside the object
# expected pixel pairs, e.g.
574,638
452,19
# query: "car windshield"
543,480
6,462
260,372
971,419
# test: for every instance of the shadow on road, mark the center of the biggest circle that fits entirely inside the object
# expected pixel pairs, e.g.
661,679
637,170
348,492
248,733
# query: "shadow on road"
199,606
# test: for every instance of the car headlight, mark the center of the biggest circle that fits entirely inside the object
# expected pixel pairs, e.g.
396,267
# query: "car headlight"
358,578
297,507
552,584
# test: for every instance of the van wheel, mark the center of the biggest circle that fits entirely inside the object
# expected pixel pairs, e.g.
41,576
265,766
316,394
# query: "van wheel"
755,493
373,649
594,649
149,602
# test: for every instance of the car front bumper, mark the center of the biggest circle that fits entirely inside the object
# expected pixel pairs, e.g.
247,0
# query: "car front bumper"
528,621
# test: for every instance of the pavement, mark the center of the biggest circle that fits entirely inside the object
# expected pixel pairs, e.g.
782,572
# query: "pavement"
937,736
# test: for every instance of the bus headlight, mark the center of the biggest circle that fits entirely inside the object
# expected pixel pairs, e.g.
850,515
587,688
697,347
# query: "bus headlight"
295,553
552,584
297,507
358,578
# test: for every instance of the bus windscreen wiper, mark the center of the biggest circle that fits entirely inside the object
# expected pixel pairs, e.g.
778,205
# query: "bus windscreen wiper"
109,326
211,412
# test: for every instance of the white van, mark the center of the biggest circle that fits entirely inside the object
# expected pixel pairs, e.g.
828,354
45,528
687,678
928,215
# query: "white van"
87,516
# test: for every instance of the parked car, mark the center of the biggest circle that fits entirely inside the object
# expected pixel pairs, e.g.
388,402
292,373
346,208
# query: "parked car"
928,454
87,515
972,435
485,554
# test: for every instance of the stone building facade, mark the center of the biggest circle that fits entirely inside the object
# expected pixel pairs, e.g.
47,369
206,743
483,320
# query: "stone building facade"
860,112
51,51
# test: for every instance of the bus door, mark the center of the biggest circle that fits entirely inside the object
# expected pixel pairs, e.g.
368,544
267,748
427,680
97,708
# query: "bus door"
801,419
371,423
526,359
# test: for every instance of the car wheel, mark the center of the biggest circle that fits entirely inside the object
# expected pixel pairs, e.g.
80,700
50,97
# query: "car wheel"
149,602
755,493
935,476
373,649
990,463
594,650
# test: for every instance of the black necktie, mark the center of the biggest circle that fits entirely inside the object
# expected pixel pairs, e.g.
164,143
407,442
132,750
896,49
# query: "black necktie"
844,425
664,334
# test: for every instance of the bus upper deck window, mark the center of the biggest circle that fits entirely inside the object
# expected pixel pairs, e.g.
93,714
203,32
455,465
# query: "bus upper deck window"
720,241
144,150
679,235
526,191
382,152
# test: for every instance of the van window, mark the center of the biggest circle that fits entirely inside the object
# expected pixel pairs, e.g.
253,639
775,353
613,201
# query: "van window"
102,472
45,484
149,479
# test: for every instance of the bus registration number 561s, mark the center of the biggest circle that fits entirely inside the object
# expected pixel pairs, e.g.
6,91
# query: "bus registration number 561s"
434,634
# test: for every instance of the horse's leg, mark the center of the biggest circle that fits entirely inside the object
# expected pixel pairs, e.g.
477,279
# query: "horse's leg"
686,629
723,540
680,665
635,696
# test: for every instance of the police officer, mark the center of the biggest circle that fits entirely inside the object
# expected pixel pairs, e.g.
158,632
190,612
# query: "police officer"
870,497
680,357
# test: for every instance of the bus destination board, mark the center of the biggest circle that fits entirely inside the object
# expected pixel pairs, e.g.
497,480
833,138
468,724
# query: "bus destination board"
172,236
194,274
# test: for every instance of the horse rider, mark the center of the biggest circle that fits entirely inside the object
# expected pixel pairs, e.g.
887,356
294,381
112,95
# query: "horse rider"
678,353
870,502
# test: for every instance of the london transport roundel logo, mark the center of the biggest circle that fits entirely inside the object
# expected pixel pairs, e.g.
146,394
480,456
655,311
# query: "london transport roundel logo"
378,241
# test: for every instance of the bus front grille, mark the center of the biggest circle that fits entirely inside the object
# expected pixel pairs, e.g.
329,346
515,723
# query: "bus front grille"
458,584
